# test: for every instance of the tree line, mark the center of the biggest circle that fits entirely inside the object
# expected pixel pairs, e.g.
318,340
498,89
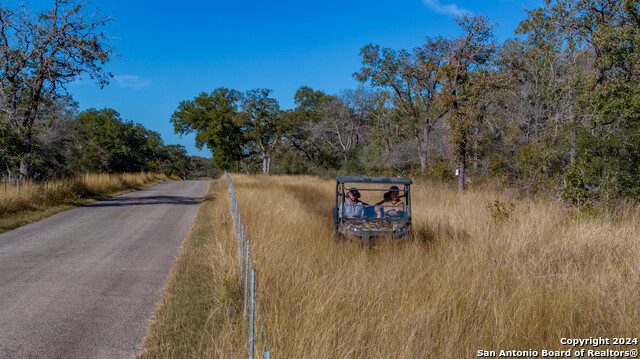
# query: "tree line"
66,142
556,108
43,135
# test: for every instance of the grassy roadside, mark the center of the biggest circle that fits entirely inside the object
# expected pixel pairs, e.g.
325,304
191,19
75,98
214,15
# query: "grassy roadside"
38,201
202,298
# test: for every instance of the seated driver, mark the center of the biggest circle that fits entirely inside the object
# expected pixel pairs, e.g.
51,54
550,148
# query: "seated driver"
352,207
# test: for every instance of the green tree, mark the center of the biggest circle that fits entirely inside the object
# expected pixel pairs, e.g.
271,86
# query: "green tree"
339,132
298,125
303,135
295,123
261,124
215,120
468,53
386,143
531,125
10,150
53,138
413,78
201,167
173,160
40,54
599,42
106,143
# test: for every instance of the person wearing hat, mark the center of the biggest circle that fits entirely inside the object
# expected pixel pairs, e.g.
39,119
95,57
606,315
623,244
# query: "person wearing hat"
352,206
392,198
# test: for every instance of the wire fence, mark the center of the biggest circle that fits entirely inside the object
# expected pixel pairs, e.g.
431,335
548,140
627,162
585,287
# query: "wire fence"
251,295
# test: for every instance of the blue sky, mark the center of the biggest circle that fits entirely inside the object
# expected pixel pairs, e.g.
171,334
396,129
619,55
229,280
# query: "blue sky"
169,51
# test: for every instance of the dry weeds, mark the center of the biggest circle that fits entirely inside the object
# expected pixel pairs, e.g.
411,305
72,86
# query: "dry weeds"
469,280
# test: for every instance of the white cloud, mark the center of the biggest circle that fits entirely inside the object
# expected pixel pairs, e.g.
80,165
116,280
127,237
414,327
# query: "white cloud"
132,81
452,10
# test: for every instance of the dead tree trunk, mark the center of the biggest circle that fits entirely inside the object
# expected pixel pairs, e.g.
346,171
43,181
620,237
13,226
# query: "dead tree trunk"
266,163
25,161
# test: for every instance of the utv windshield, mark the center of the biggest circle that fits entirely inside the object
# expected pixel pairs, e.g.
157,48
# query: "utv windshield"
361,212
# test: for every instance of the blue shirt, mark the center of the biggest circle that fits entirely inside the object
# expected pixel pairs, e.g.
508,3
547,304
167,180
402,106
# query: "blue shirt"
351,209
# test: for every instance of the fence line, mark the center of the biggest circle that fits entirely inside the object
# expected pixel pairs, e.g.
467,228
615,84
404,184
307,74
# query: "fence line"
247,275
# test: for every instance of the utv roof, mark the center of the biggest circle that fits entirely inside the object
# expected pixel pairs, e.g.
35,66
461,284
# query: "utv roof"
367,179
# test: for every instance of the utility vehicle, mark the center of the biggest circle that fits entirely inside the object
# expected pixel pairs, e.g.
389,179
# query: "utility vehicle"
371,208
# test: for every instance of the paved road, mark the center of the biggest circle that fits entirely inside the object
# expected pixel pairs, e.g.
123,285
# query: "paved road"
83,283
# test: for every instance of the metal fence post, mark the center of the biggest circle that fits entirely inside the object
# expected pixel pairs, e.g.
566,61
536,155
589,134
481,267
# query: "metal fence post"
234,212
251,314
241,244
240,255
246,273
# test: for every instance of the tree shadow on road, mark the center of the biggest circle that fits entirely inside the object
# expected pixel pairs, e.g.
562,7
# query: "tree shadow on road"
148,200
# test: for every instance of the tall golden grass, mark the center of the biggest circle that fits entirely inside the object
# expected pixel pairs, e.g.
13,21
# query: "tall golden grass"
468,281
475,276
30,196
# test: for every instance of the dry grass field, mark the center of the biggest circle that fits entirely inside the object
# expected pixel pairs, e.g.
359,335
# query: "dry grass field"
34,201
474,277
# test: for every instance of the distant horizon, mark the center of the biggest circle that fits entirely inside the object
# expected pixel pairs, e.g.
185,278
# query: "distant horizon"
169,53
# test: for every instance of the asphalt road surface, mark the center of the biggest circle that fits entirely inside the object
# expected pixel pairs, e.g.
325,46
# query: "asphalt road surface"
85,282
